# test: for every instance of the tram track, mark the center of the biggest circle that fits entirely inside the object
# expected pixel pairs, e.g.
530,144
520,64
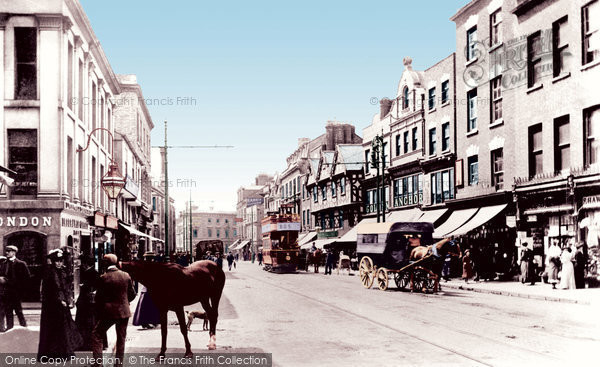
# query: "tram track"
404,332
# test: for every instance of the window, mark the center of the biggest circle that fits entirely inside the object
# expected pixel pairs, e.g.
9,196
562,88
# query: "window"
323,222
534,59
343,186
209,220
432,141
445,91
93,106
226,233
235,232
398,146
591,28
415,140
218,220
473,170
331,221
497,168
196,233
535,150
341,218
209,232
472,44
70,78
472,110
25,63
371,203
406,143
496,94
80,92
23,159
408,190
294,190
445,136
218,233
315,194
226,221
324,192
333,189
308,217
405,98
442,186
562,143
592,135
385,155
303,217
367,160
303,192
495,22
560,47
432,98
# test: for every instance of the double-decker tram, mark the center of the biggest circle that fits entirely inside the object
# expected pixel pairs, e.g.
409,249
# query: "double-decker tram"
280,240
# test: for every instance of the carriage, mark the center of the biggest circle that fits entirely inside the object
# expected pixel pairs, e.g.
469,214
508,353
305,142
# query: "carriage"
385,250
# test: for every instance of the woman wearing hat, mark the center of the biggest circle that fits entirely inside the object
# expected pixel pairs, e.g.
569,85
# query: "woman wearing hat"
59,336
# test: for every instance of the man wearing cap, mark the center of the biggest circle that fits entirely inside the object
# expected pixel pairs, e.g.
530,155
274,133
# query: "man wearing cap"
114,292
17,275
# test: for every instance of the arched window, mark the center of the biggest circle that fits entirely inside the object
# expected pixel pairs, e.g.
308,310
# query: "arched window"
405,98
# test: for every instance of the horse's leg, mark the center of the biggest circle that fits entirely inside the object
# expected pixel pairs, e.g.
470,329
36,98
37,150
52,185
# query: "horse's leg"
163,332
183,328
212,343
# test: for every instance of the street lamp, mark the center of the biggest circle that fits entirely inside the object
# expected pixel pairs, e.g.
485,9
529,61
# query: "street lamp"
113,181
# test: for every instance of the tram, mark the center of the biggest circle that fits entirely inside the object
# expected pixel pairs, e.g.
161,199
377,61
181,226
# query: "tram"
280,240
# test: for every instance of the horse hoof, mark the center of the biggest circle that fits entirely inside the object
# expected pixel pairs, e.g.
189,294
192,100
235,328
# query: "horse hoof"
189,354
212,344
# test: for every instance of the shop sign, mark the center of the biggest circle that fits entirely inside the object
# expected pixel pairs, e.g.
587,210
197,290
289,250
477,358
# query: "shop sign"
99,219
254,201
290,226
532,218
511,221
25,221
328,234
112,222
591,201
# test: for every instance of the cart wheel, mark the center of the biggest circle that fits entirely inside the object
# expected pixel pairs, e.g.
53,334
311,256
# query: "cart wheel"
419,280
431,278
402,279
365,270
382,278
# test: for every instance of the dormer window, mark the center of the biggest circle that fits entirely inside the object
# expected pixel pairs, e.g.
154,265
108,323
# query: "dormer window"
405,98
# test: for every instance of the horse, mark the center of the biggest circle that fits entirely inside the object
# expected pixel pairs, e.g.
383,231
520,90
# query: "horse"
316,259
438,252
173,286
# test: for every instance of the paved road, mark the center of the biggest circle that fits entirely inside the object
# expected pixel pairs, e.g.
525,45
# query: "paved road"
308,319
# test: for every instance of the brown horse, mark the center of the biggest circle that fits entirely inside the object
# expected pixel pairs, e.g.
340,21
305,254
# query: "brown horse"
316,259
438,252
172,286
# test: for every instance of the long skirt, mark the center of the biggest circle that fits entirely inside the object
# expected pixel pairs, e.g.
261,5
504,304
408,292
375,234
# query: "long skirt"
552,272
146,312
567,279
59,337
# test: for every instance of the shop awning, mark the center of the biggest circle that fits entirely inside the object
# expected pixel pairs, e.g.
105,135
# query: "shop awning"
456,220
549,209
241,245
319,243
483,216
432,216
135,231
155,239
234,244
406,215
307,238
383,227
350,236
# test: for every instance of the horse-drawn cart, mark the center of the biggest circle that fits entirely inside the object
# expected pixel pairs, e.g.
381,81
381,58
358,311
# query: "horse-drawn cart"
385,252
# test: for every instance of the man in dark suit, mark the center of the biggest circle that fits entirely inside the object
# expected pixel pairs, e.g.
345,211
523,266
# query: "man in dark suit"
580,262
17,276
114,292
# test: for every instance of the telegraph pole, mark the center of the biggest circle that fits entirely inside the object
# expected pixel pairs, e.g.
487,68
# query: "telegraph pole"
384,196
166,195
191,221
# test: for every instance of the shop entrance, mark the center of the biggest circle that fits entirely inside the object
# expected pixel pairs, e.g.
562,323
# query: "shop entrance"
32,249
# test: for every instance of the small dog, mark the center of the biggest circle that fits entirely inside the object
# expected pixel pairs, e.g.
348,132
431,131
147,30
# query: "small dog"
191,315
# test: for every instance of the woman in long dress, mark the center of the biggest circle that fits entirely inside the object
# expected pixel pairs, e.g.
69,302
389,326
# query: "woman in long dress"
146,313
467,266
59,337
86,317
553,263
567,279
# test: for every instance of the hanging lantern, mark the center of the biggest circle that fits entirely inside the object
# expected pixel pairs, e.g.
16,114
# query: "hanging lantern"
113,182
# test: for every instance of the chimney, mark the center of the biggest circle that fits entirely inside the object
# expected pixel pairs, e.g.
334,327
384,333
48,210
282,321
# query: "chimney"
385,106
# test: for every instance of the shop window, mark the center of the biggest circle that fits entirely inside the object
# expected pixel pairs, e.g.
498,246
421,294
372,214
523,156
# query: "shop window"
23,159
592,135
497,168
536,165
562,144
442,186
25,63
341,219
408,190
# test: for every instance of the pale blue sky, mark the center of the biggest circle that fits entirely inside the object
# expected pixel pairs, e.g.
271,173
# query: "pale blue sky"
263,74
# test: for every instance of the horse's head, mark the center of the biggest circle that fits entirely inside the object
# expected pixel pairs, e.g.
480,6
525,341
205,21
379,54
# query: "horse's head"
449,247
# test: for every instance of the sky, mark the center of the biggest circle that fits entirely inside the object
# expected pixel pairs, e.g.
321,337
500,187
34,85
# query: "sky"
258,75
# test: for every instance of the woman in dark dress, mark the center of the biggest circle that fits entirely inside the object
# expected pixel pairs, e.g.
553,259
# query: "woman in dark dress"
59,337
146,313
85,319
